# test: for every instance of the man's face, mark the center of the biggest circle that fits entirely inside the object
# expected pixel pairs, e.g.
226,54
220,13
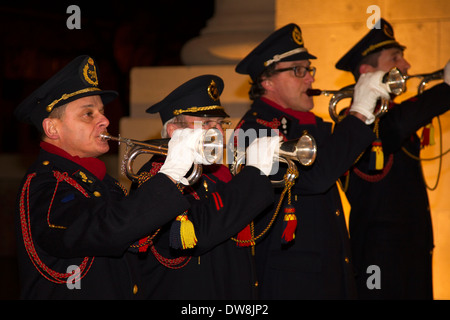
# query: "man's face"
288,90
390,58
79,129
196,122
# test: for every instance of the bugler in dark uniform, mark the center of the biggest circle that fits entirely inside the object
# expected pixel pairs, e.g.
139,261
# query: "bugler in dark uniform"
316,264
214,267
74,223
390,223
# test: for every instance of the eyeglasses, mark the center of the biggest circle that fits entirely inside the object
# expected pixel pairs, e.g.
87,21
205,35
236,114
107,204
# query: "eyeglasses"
224,124
299,71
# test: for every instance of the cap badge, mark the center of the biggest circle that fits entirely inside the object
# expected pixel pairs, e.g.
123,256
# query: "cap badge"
90,72
387,29
213,92
297,36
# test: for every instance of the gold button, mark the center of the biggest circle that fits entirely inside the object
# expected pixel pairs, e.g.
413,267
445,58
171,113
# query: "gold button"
46,163
97,194
135,289
256,284
346,260
338,212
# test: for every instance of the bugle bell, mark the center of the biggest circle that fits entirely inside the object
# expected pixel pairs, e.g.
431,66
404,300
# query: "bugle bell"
302,150
209,147
395,81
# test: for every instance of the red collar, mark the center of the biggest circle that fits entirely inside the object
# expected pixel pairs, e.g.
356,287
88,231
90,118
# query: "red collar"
94,165
301,116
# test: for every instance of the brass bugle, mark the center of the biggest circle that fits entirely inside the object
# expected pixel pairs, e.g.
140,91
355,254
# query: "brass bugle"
302,150
395,81
209,148
336,97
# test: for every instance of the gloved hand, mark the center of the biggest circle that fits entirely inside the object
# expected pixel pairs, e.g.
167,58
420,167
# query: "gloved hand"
447,73
181,154
367,91
261,152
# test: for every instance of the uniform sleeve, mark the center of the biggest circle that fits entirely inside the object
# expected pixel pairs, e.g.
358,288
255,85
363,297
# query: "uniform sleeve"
230,208
68,224
409,116
335,155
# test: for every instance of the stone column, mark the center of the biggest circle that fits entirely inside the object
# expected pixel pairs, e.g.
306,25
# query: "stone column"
235,29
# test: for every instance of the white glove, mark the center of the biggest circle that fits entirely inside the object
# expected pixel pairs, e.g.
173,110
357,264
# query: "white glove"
367,91
181,154
261,153
447,73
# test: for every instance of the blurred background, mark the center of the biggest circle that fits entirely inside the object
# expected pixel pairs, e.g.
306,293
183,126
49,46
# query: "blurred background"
146,48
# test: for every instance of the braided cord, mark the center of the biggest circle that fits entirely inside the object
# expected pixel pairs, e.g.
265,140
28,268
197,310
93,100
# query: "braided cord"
288,184
40,266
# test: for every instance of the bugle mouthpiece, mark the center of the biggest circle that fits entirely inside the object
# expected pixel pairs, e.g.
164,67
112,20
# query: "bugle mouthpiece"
313,92
105,136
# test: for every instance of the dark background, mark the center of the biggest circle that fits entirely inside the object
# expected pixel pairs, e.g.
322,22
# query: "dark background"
35,43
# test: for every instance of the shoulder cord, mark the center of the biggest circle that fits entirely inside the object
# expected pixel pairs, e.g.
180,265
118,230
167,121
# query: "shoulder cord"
379,176
43,269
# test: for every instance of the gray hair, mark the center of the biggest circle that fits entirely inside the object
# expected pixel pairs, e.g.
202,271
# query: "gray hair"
164,134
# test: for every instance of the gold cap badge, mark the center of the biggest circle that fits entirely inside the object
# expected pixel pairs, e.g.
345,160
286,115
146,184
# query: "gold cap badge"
297,36
213,92
388,31
90,72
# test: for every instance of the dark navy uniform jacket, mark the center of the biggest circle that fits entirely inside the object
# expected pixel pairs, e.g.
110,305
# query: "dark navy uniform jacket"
216,268
390,223
317,263
73,218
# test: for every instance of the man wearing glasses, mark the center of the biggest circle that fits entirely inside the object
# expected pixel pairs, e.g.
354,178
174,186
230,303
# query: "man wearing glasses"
207,263
312,259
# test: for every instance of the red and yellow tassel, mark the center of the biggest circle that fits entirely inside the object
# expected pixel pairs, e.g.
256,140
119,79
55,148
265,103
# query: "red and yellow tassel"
290,219
182,233
376,161
289,224
245,237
